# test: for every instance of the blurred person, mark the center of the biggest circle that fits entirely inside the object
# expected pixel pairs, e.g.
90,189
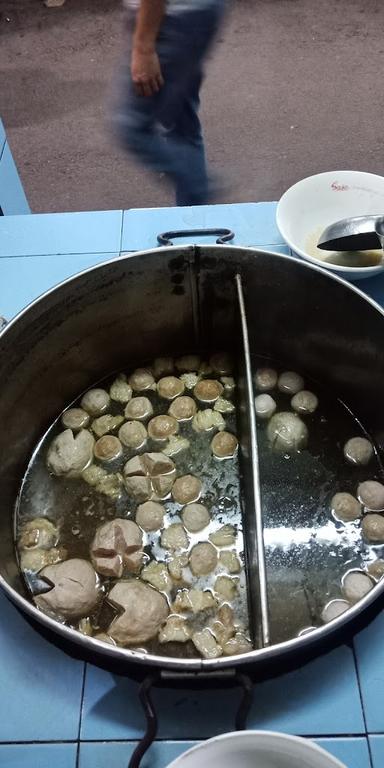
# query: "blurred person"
157,118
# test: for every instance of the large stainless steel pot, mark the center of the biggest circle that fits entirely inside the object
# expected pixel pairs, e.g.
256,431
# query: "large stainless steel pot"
169,300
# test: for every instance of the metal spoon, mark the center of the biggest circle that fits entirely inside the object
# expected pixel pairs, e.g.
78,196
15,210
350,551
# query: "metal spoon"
359,233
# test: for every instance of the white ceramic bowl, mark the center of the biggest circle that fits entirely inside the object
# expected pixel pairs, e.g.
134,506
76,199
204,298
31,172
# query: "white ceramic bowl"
256,749
314,203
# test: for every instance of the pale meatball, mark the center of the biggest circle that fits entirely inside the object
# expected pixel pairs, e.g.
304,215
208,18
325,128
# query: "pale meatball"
144,612
222,363
195,517
162,427
35,559
150,476
208,390
141,379
290,382
372,528
237,644
265,379
206,644
120,390
206,420
224,536
230,561
75,418
226,587
345,507
333,609
156,573
176,566
186,489
162,366
108,448
95,401
182,408
39,532
139,408
117,548
175,444
304,402
371,495
69,455
203,559
75,590
194,601
188,363
287,432
223,406
174,537
224,445
107,423
175,630
133,434
358,451
376,569
170,387
150,516
265,406
355,585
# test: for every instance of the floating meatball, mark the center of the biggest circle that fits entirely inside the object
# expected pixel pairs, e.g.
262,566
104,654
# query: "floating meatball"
345,507
188,363
162,427
358,451
150,476
221,363
186,489
117,548
304,402
133,434
182,408
290,382
95,401
162,366
75,418
175,444
175,630
333,609
223,406
120,390
206,420
237,644
156,573
189,380
195,517
141,380
150,516
144,612
138,408
287,432
224,445
224,536
265,379
69,455
35,559
194,600
75,589
371,495
376,569
39,532
355,585
170,387
203,559
104,424
229,560
107,483
265,406
372,528
208,390
229,383
108,448
206,644
176,566
174,537
226,587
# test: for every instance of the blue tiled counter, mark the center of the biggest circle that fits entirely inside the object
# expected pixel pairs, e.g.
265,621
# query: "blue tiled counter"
58,711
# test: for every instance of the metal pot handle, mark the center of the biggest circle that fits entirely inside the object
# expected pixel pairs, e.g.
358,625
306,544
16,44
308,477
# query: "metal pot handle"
225,235
229,678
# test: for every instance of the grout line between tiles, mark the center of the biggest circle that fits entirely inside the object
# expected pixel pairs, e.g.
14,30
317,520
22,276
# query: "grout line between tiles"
81,715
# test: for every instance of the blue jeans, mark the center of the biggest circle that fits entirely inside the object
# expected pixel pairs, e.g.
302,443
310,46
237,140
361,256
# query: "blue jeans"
164,130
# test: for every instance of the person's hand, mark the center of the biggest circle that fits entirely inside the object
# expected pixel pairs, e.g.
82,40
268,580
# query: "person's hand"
146,71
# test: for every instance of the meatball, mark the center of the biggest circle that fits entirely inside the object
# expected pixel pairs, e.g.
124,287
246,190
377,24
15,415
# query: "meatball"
186,489
175,630
229,560
156,573
75,589
107,423
358,451
226,587
144,612
176,566
75,418
208,390
95,401
117,547
188,363
108,448
107,483
372,528
69,455
224,445
290,382
345,507
120,390
170,387
206,420
150,516
333,609
265,379
371,495
174,537
133,434
162,366
203,559
287,432
304,402
355,585
206,644
39,532
265,406
182,408
141,379
150,476
162,427
224,536
138,408
194,600
222,363
195,517
376,569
